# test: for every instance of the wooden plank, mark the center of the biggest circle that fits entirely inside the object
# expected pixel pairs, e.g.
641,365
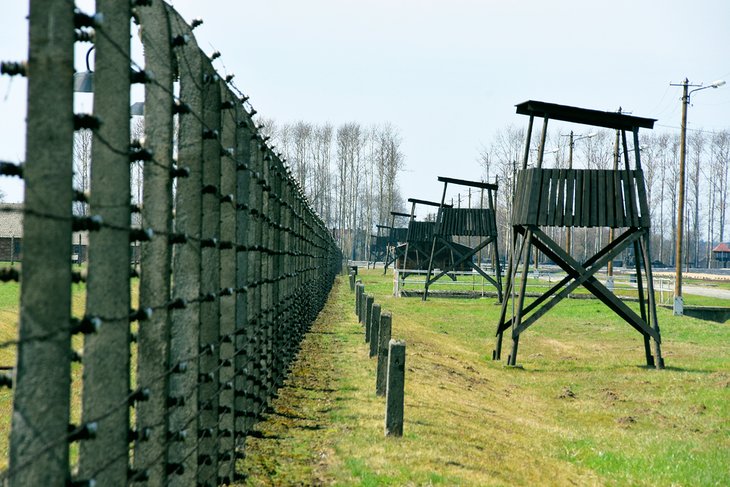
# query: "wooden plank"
593,196
554,190
643,203
578,192
611,199
629,199
560,204
618,200
569,197
585,196
601,188
542,209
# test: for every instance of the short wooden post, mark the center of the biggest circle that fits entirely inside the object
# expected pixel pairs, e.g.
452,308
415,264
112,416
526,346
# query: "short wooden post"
395,387
358,300
352,281
383,340
374,329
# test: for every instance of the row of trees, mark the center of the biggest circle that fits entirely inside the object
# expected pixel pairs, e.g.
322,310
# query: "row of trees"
349,173
707,178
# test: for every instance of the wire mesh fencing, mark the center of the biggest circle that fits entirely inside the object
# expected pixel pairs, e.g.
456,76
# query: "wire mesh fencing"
161,373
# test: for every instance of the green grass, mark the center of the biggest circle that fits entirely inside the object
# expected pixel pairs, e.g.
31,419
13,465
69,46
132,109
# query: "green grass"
582,409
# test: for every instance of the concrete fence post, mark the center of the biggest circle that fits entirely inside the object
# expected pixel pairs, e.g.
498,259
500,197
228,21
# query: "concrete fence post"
383,341
106,374
41,400
153,341
395,388
182,458
367,313
374,329
352,281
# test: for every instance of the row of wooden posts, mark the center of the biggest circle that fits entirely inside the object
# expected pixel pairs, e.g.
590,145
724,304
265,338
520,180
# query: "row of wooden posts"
390,353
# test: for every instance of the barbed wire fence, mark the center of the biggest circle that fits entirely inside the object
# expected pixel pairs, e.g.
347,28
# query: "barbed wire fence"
234,264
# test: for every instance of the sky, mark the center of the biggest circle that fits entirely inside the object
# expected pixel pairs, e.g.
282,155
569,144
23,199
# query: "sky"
447,74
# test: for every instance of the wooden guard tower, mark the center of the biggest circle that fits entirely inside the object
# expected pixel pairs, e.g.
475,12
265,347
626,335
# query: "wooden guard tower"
378,245
580,198
466,222
396,235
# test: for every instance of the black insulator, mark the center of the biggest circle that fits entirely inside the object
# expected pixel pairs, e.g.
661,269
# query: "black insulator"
225,362
140,435
135,208
209,243
14,68
9,274
180,108
81,483
141,394
86,431
230,77
133,272
242,166
226,291
86,121
133,337
227,105
140,77
178,303
142,3
10,169
180,368
209,134
215,55
177,435
180,40
230,152
174,468
86,325
209,189
225,245
90,223
196,23
80,196
76,356
228,386
178,238
227,198
207,349
252,112
243,123
141,314
134,475
84,20
175,401
141,234
180,172
6,380
83,35
140,154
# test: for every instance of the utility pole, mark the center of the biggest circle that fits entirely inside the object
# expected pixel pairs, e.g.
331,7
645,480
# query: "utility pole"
678,308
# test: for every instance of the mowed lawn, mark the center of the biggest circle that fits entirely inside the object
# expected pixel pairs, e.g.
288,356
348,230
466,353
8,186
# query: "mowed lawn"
582,410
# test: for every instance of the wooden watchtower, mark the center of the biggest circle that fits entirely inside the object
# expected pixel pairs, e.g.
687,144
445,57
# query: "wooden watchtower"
580,198
466,222
378,245
396,236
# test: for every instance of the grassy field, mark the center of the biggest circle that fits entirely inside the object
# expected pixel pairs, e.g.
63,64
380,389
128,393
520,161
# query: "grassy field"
582,410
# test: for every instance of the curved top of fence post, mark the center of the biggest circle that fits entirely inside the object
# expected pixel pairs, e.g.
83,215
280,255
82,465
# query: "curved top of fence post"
160,64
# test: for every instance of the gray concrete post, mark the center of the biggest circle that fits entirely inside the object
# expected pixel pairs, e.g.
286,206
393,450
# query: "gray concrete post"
374,329
228,271
395,388
383,341
42,381
182,458
367,313
209,335
153,341
106,374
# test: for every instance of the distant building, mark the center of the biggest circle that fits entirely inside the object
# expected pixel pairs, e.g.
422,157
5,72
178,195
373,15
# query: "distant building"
721,253
11,236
